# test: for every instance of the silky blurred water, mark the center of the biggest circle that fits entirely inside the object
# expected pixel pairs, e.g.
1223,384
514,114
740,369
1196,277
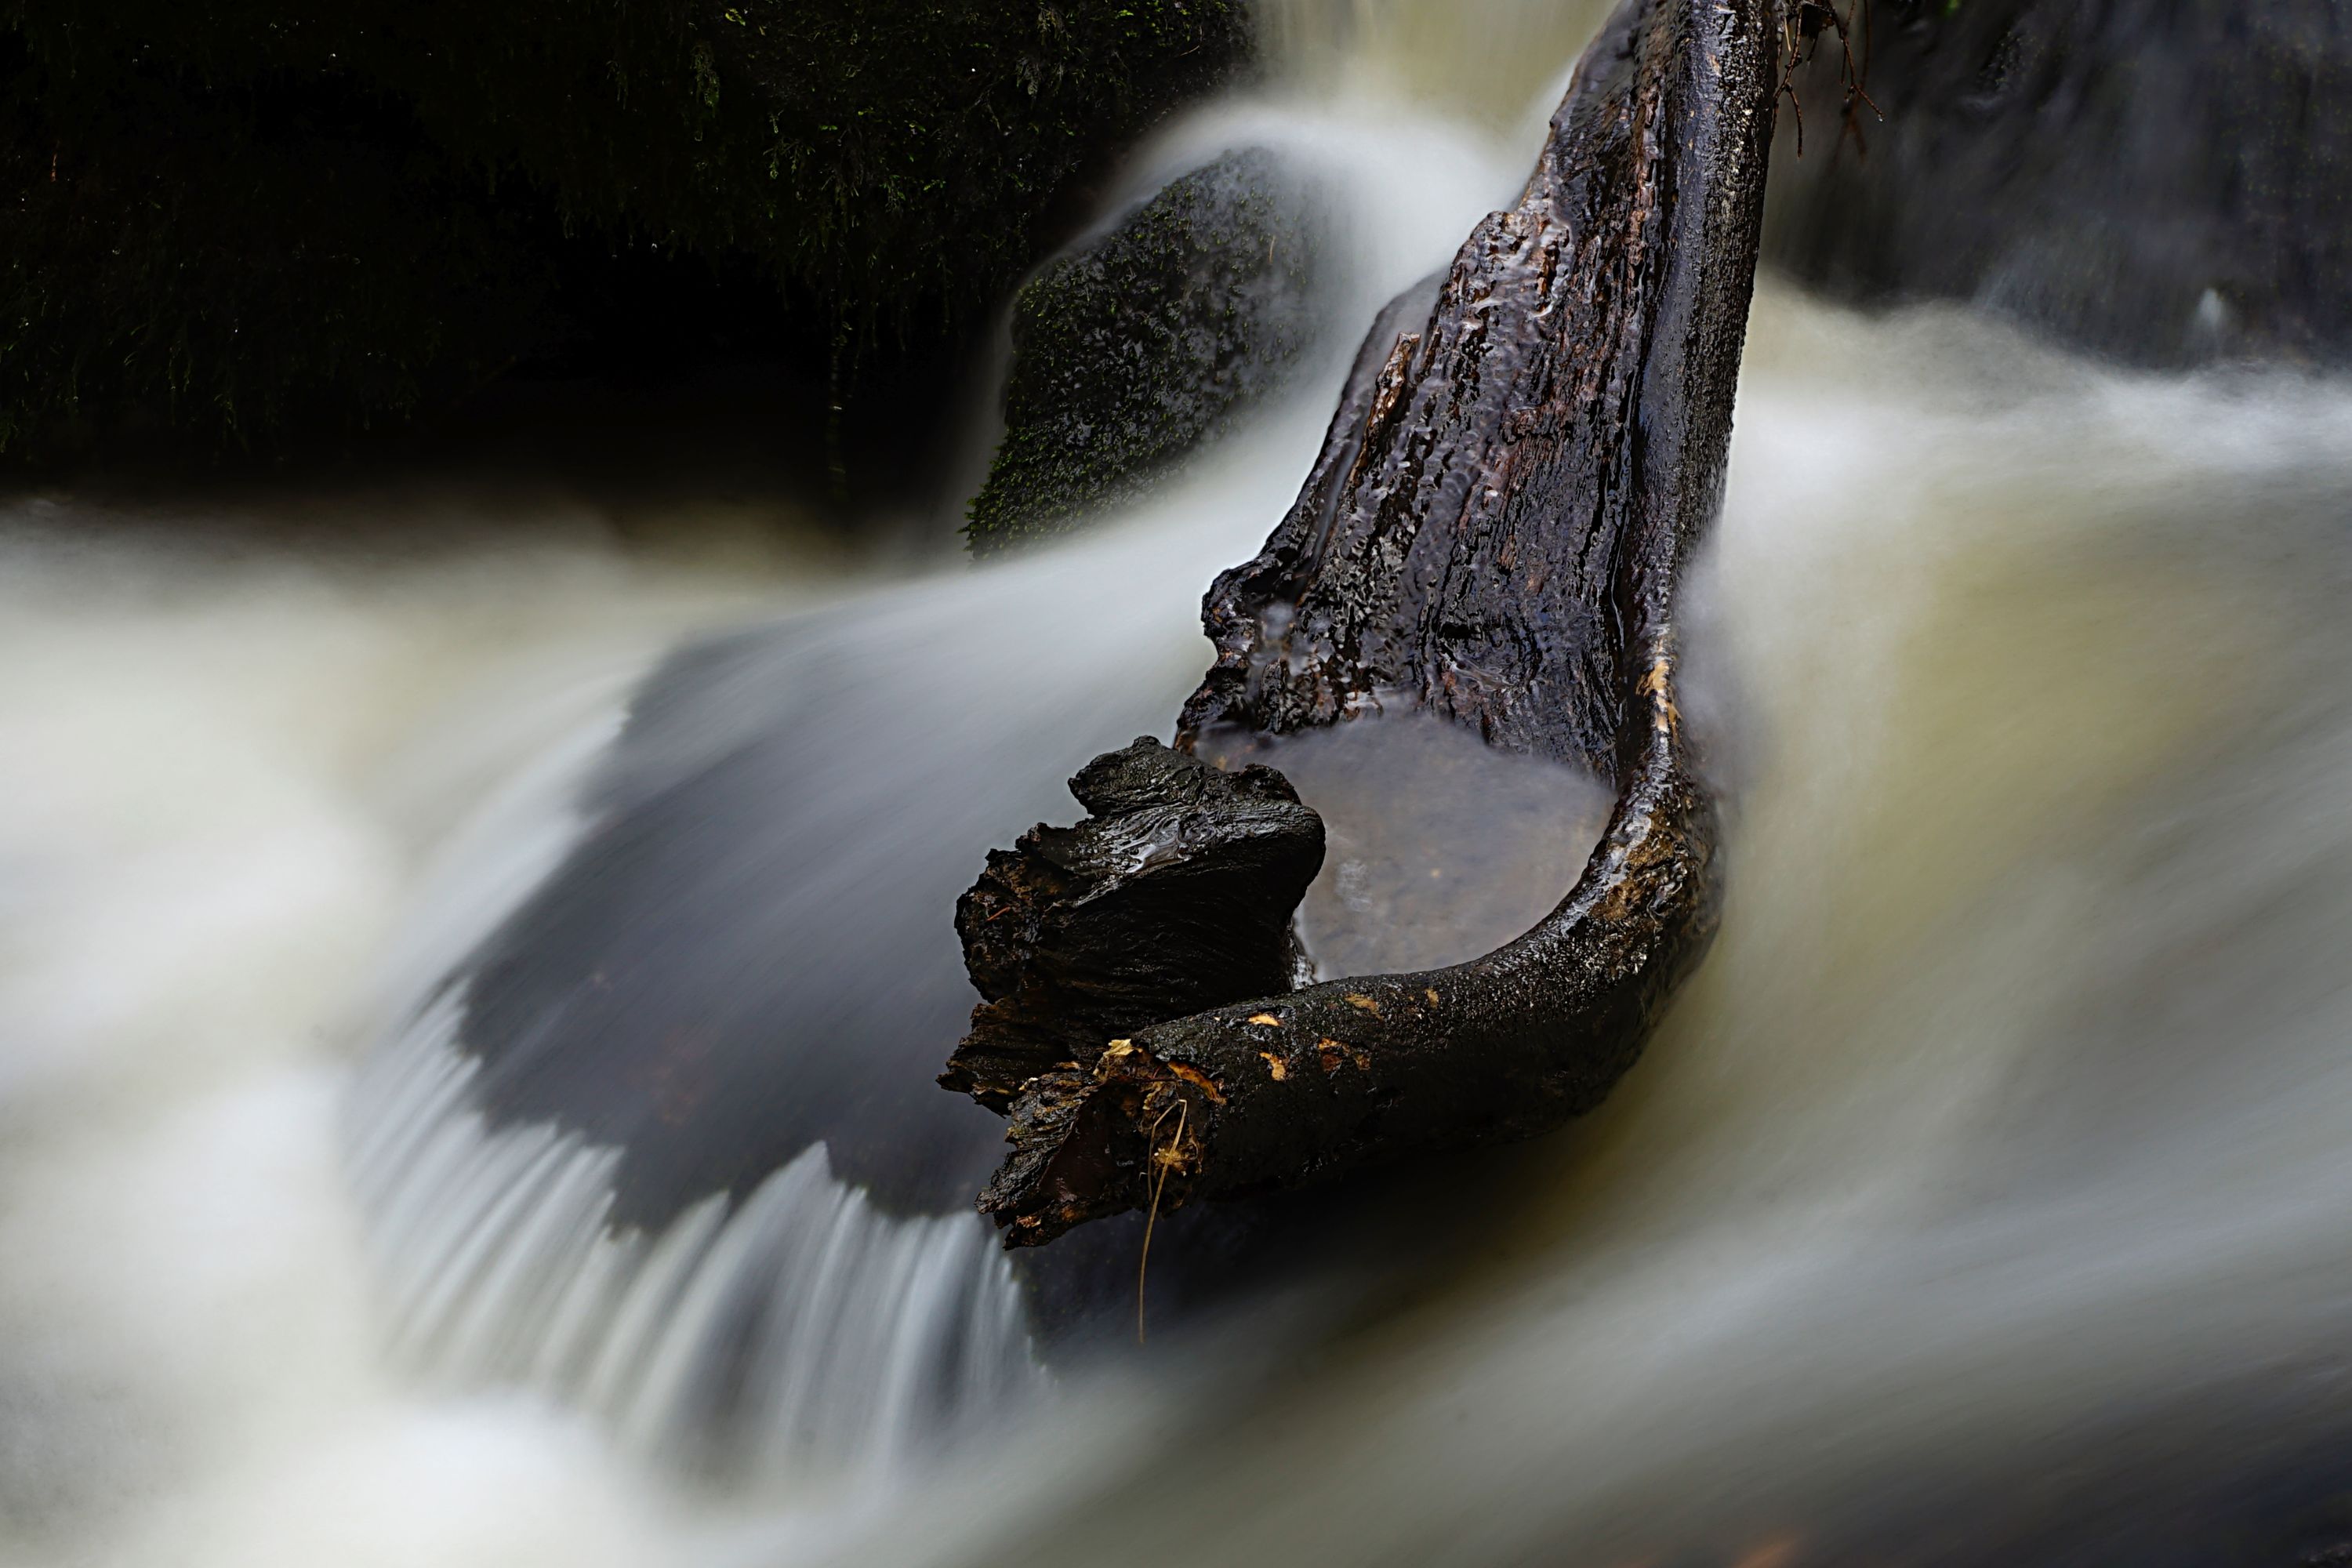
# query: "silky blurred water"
2005,1124
2004,1127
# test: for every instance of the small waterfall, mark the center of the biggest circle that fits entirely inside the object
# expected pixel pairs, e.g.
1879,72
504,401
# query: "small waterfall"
795,1328
1486,61
794,1331
654,1134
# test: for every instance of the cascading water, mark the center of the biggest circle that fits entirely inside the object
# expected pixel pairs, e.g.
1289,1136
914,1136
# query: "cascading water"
664,1144
2004,1121
1984,1200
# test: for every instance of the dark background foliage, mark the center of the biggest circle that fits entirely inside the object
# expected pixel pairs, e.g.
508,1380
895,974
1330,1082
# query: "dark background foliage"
2162,181
233,224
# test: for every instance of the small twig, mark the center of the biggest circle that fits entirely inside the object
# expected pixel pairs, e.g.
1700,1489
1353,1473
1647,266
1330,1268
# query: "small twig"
1789,86
1801,26
1161,1163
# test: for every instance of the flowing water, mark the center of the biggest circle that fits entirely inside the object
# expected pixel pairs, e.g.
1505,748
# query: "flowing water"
417,978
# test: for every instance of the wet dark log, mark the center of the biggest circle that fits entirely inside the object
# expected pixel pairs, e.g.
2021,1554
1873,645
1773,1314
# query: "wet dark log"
1495,529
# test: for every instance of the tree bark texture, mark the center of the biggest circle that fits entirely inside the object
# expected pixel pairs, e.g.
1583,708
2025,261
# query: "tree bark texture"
1495,529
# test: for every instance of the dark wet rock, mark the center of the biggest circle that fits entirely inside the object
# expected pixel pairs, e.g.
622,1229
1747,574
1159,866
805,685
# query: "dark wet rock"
1133,349
706,982
748,952
2164,180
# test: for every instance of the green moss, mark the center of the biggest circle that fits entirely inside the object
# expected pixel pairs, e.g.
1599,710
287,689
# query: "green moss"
1131,352
232,217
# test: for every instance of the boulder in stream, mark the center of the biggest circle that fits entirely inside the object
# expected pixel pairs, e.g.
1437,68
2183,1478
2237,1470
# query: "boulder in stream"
1131,351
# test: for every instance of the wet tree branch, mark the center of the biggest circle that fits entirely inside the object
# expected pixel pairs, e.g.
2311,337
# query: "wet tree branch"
1495,529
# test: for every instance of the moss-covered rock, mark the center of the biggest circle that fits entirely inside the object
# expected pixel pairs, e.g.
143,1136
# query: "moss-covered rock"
1131,351
228,218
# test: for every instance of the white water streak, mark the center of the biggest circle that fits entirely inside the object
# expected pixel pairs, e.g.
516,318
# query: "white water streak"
800,1325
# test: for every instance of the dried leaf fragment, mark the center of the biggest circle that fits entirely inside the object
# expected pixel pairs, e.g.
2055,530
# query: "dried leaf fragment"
1199,1080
